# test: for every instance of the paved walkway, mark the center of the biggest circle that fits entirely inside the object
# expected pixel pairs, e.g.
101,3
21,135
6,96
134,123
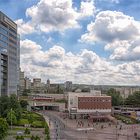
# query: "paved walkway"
79,123
94,131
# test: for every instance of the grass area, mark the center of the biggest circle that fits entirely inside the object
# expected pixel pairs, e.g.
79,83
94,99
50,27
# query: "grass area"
38,126
31,118
22,122
125,119
19,128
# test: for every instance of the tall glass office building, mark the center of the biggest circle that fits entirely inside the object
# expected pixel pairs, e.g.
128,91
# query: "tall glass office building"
9,56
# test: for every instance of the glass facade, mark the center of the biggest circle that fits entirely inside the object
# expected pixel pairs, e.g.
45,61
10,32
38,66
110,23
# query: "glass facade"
3,31
2,43
3,37
9,55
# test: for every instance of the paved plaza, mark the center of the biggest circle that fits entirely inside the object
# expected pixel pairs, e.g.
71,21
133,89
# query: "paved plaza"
73,129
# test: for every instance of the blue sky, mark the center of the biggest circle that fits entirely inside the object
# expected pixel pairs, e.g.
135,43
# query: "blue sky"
85,41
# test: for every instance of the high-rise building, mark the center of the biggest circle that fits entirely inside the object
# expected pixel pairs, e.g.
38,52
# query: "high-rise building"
27,83
9,56
48,83
22,81
37,82
68,85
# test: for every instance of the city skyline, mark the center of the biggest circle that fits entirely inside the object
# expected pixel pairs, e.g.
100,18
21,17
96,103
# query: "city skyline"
85,41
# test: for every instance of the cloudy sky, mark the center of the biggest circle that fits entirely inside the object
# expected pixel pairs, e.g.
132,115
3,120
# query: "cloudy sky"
85,41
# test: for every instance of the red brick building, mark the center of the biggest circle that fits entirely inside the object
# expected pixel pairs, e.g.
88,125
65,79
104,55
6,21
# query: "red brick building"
89,104
96,102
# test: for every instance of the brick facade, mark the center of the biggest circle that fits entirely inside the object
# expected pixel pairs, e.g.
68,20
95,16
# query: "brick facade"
94,103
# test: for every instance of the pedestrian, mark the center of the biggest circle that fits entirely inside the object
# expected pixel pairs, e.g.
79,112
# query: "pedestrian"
120,127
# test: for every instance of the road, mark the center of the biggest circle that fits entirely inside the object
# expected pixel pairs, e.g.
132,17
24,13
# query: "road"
59,131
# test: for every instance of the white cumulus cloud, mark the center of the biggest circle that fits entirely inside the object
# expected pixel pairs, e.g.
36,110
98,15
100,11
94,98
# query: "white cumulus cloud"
110,26
55,15
119,32
83,67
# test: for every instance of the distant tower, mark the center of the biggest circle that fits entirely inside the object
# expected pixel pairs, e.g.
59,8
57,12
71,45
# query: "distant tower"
68,85
48,85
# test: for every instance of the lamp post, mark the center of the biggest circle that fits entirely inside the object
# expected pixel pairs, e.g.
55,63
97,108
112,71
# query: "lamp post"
11,117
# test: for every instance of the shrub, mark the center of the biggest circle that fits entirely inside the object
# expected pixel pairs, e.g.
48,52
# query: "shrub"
19,138
35,138
32,137
37,124
47,132
22,122
27,131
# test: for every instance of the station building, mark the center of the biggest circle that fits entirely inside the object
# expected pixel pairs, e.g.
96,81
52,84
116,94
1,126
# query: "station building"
48,102
88,104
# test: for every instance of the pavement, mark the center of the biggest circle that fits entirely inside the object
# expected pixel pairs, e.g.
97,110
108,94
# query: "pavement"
63,128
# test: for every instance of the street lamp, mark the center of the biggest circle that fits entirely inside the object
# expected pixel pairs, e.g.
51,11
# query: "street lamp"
11,117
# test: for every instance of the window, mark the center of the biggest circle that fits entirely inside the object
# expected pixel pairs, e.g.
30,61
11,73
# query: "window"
71,101
3,31
13,36
12,30
15,43
3,50
4,25
3,37
3,69
2,43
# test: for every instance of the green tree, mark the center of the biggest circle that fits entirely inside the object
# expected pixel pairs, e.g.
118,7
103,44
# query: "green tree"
15,105
133,99
30,118
26,92
32,137
37,138
24,104
11,117
4,106
3,128
85,90
27,131
6,103
116,97
59,90
19,138
47,132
